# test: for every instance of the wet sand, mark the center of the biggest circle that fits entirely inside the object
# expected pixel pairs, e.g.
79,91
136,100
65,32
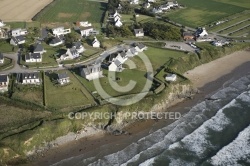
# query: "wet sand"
209,78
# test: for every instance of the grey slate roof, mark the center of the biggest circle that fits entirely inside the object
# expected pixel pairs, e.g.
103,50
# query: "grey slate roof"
141,46
94,67
18,39
77,44
1,56
55,40
138,31
44,33
3,78
33,56
62,75
73,51
33,75
38,47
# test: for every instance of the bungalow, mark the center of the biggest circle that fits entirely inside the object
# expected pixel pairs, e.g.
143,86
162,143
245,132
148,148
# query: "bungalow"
118,23
79,47
188,36
140,47
63,78
30,78
1,23
38,48
91,72
60,31
201,32
139,32
4,82
18,32
16,40
56,41
134,2
86,31
1,58
33,57
71,53
171,77
116,66
96,43
220,43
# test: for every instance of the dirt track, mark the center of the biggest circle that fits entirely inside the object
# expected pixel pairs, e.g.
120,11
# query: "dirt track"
20,10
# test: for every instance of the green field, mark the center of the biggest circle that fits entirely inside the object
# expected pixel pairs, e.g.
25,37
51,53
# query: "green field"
202,12
73,94
8,63
236,27
72,11
159,56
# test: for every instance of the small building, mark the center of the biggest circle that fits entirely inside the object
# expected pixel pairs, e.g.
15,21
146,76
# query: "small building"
130,52
18,32
116,66
220,43
4,82
114,15
1,58
83,24
118,23
38,48
2,23
79,47
3,33
188,36
116,18
139,32
134,2
86,31
146,5
151,1
140,47
60,31
201,32
30,78
56,41
171,77
157,10
17,40
33,57
91,72
63,78
71,53
96,43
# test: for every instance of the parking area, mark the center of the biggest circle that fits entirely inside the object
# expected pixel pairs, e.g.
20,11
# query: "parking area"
182,46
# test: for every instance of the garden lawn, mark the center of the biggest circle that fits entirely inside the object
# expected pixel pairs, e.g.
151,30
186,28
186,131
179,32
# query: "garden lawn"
73,94
159,56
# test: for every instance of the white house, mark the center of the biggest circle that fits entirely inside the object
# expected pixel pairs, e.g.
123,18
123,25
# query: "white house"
220,43
91,72
171,77
139,32
56,41
201,32
84,24
114,15
151,1
38,48
18,32
16,40
96,43
71,53
30,78
60,31
117,18
134,2
157,10
115,66
63,78
118,23
86,31
1,58
146,5
2,23
130,52
79,47
4,82
140,47
33,57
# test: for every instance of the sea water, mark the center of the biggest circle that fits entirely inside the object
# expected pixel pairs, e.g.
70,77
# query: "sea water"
214,132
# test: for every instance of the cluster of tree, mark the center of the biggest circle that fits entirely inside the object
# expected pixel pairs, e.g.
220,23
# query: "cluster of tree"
123,31
113,4
161,31
145,11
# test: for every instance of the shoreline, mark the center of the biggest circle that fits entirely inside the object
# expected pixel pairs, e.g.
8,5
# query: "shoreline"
229,69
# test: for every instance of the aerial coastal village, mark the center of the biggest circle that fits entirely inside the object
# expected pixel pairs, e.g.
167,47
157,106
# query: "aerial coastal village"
70,56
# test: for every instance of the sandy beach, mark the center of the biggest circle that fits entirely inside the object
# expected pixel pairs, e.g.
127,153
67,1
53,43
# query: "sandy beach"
208,78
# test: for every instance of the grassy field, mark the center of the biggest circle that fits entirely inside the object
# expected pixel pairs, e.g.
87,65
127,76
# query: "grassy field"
72,11
6,47
7,64
73,94
202,12
159,56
